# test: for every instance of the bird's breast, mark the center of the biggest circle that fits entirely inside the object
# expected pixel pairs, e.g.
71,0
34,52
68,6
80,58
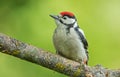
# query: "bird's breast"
69,44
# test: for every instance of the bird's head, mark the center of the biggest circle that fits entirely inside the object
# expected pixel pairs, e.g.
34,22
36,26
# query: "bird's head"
65,18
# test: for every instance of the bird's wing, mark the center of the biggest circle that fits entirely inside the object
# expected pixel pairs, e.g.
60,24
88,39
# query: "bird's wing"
83,39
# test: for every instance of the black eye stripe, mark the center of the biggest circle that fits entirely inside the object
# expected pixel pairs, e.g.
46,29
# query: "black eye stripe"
69,26
61,21
66,23
66,16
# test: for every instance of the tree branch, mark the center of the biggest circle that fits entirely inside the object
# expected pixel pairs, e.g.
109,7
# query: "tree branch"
55,62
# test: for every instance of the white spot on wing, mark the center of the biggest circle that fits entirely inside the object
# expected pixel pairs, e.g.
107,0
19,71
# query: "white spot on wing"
82,32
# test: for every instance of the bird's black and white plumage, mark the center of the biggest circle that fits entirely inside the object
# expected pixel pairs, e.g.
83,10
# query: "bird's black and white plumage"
69,40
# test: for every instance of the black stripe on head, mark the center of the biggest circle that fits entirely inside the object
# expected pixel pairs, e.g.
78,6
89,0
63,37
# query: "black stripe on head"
73,17
69,26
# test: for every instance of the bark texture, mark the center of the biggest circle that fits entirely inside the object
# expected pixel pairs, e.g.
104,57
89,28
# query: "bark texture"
54,62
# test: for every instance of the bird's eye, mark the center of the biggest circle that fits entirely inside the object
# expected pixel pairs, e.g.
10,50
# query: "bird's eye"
64,18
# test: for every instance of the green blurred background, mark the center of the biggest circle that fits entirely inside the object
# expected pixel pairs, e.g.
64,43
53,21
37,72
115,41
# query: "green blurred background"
29,21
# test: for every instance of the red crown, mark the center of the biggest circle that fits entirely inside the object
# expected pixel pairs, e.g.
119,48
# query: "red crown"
67,13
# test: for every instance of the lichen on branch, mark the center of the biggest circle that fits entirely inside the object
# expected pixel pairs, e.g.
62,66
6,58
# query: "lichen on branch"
54,62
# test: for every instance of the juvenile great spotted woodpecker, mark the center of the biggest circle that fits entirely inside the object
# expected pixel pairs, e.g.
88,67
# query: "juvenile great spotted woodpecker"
69,39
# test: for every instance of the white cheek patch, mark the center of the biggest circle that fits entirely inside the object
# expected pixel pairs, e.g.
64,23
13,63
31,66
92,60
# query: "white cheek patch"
69,21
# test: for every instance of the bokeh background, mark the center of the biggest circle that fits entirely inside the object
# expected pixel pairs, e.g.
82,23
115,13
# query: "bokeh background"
29,21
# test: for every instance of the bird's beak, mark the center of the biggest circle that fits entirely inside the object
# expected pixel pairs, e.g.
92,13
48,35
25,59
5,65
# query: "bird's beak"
55,17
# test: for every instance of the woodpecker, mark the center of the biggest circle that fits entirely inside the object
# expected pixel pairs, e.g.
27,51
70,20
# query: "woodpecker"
69,39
